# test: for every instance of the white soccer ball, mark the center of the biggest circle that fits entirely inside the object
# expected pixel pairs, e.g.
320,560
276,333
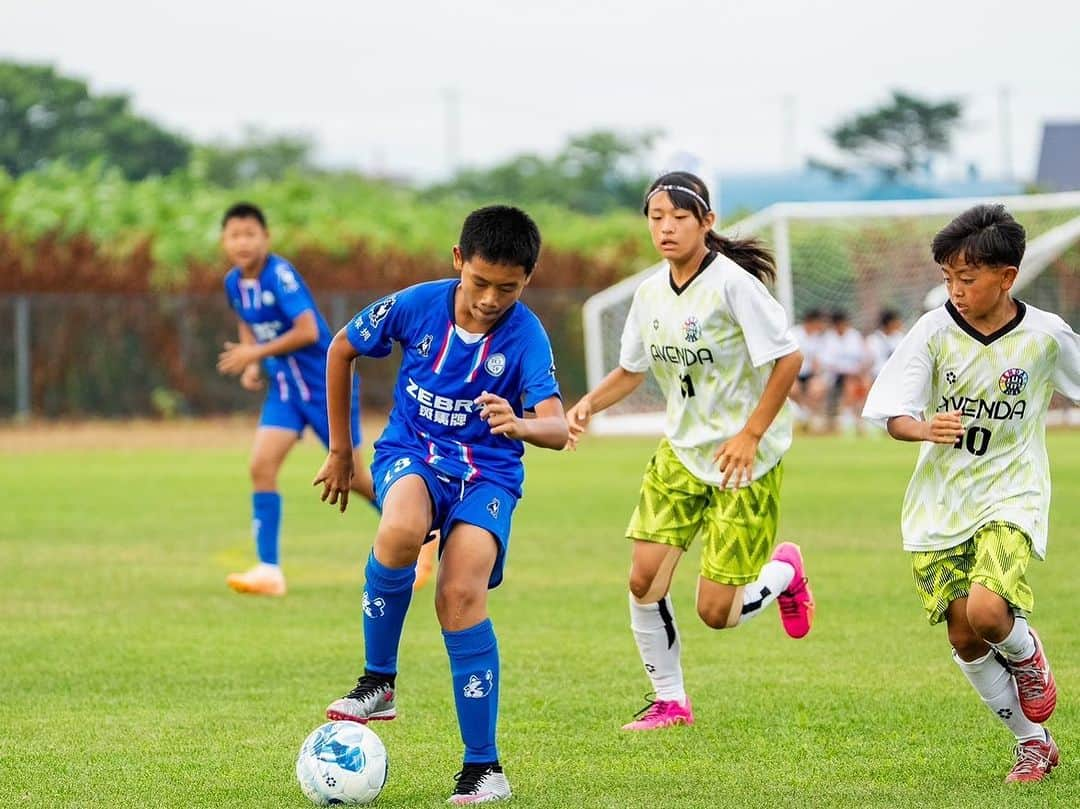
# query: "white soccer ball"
342,763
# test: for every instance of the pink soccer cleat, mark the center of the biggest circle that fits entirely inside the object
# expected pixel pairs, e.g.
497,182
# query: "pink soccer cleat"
1034,760
1035,684
796,602
662,713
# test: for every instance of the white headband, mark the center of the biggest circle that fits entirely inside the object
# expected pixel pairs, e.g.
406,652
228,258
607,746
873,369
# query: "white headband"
682,188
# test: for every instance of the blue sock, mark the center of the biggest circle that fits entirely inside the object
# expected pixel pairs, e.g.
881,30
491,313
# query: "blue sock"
266,525
474,669
387,593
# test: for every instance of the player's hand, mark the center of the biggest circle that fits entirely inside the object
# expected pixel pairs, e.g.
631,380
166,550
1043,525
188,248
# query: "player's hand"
500,416
336,478
577,420
944,428
236,357
251,378
736,459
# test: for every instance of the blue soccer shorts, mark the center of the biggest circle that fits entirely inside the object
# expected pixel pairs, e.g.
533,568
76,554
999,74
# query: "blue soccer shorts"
453,500
289,407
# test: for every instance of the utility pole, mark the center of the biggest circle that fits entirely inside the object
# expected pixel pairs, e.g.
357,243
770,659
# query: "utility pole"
789,156
1005,131
452,129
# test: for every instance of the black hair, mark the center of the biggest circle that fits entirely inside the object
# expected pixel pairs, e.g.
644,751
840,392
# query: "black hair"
986,235
839,316
813,314
244,210
887,316
501,234
750,254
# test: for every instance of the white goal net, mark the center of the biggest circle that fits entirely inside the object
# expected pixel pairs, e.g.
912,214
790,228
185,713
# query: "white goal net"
861,257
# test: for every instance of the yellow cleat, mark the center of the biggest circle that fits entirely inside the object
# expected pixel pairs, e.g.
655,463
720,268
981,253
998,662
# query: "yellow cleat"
263,580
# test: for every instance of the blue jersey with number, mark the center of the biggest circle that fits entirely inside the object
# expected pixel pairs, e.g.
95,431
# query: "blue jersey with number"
270,304
441,374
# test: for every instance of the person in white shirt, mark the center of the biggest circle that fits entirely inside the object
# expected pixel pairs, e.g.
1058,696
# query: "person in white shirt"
719,346
847,362
883,341
811,386
972,381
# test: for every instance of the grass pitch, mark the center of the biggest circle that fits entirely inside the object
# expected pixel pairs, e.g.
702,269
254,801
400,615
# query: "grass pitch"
132,676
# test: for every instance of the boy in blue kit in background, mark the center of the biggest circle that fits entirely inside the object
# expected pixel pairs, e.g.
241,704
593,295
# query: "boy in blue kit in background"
281,327
477,379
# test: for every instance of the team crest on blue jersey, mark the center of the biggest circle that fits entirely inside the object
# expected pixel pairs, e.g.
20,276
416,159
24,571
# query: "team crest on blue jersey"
381,309
493,508
1013,381
495,364
288,282
691,329
424,346
267,298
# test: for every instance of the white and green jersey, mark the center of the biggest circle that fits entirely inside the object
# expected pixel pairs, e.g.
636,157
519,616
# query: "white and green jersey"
711,346
1001,384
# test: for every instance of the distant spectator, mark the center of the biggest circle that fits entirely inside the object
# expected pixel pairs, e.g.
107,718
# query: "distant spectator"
883,342
847,362
811,386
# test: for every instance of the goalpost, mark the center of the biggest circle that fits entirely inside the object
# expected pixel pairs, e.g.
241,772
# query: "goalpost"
861,257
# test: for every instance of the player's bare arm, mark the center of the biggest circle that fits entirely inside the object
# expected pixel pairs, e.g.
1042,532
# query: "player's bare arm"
736,455
251,378
613,388
943,428
238,356
546,429
337,471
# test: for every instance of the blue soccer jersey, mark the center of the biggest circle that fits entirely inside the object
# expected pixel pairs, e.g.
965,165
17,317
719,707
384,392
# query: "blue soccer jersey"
441,374
270,304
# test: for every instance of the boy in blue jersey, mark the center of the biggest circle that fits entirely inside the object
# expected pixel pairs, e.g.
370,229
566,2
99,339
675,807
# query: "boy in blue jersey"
282,329
477,379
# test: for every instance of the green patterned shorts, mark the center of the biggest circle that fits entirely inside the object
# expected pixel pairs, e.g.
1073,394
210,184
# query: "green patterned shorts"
738,527
996,557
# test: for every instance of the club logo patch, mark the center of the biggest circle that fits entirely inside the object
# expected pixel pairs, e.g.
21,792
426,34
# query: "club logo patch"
381,309
1013,381
479,686
493,507
691,329
268,297
288,281
424,346
373,607
495,364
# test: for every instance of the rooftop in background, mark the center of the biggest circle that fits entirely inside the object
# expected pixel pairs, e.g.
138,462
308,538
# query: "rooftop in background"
1059,158
742,193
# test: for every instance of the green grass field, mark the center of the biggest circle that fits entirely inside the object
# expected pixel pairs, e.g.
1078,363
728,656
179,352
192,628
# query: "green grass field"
132,677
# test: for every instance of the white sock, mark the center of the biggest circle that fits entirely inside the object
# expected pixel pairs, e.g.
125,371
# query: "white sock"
658,642
265,567
772,580
1018,644
998,690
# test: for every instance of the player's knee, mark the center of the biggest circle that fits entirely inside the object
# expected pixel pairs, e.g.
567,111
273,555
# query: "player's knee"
988,619
714,614
455,602
966,641
263,473
641,586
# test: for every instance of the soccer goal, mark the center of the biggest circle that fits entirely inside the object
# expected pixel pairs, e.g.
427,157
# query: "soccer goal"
861,257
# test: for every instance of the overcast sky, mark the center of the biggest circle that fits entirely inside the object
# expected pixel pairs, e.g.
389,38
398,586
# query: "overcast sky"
412,87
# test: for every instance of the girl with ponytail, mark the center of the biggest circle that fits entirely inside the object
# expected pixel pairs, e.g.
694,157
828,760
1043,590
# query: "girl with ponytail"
719,346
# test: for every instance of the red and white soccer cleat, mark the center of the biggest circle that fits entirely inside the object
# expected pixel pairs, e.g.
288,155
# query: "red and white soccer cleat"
1035,684
1034,760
